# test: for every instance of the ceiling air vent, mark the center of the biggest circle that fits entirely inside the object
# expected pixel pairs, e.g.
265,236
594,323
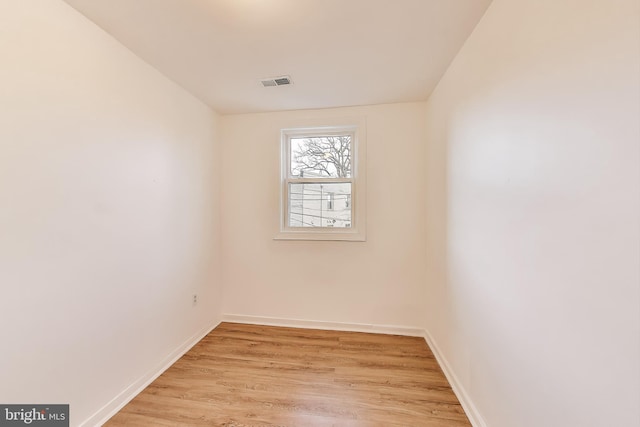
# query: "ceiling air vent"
276,81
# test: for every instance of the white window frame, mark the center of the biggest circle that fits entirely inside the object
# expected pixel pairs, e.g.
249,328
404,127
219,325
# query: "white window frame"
357,231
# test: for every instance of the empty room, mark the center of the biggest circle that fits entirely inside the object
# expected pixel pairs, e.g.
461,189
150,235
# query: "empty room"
320,213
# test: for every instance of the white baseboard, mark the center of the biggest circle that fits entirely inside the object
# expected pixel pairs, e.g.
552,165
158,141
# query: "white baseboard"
467,404
317,324
124,397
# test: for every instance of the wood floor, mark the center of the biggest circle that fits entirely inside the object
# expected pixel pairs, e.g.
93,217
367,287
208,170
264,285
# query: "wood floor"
245,375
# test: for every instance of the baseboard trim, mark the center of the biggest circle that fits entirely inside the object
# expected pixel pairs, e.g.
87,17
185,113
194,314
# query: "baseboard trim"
317,324
467,404
124,397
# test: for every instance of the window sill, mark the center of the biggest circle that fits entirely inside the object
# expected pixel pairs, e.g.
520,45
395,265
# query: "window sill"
350,236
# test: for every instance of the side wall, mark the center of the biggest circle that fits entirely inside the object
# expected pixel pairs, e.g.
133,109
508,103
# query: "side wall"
108,214
378,282
533,214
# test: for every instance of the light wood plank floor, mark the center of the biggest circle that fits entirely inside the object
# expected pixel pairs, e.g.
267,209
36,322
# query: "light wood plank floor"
245,375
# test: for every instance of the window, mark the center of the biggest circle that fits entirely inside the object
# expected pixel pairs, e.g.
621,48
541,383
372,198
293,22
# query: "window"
323,184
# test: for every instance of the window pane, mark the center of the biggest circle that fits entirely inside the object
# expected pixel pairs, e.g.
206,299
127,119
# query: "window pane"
321,157
320,205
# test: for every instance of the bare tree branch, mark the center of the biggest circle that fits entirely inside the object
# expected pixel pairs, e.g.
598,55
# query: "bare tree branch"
328,156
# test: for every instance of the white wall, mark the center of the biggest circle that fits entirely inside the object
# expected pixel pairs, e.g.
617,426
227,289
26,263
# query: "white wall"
533,214
377,282
108,212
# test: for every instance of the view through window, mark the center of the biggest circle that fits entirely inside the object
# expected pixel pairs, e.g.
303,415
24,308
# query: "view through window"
320,181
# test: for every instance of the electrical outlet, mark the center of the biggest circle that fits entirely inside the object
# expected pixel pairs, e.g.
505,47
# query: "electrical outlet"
195,299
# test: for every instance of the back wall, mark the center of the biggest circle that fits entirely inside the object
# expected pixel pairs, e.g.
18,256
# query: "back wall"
377,282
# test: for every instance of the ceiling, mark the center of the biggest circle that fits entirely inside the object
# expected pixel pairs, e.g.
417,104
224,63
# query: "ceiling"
337,52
